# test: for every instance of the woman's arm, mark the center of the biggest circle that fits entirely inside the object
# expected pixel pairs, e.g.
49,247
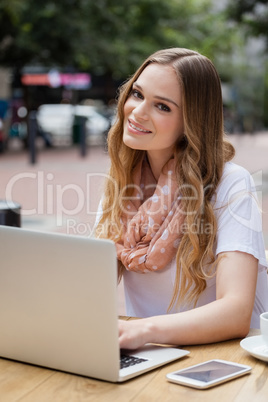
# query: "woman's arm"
227,317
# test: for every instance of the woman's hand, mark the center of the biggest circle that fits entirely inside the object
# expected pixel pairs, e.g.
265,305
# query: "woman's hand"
133,334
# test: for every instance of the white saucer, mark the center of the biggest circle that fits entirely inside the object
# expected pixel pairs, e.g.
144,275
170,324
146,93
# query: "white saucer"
256,347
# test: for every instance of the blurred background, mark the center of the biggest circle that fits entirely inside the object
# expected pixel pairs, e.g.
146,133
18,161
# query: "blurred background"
77,52
61,64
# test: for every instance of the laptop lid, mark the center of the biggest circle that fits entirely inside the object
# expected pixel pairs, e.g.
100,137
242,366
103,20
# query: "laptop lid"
58,302
58,306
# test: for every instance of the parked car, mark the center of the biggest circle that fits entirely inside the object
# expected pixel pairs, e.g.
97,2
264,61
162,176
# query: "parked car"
59,121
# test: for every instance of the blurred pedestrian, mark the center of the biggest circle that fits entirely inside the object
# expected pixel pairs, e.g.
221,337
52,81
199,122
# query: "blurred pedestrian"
2,136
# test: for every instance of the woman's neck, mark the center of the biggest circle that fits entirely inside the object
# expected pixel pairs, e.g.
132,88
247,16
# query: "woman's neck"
157,161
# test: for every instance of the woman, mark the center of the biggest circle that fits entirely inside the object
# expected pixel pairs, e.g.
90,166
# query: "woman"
184,218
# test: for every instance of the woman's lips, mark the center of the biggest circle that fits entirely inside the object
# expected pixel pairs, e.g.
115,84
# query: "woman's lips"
137,128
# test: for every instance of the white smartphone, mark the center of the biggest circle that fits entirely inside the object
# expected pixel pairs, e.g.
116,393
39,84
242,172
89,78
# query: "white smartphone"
208,374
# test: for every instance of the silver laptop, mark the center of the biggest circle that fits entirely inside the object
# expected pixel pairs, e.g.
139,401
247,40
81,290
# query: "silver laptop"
58,306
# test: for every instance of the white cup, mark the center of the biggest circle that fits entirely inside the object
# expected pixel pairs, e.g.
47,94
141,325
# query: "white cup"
264,326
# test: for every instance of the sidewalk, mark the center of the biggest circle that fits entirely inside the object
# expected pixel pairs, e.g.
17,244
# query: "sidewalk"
60,192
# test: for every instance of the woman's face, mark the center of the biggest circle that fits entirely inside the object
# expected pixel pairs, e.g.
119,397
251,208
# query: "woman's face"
153,112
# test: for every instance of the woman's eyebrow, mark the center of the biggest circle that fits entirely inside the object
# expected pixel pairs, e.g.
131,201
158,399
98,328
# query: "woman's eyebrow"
163,98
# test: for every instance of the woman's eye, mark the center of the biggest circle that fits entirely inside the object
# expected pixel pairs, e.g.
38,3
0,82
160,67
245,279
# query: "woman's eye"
136,94
163,107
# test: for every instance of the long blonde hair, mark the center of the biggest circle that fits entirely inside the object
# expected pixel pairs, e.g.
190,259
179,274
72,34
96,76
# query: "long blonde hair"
201,155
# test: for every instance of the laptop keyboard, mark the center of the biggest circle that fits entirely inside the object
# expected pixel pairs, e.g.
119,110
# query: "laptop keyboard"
127,361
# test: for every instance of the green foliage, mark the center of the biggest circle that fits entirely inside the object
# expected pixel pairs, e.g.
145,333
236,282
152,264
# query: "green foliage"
251,14
122,34
106,36
41,32
251,19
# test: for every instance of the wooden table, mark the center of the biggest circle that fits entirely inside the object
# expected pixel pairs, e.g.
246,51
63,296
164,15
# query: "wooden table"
26,383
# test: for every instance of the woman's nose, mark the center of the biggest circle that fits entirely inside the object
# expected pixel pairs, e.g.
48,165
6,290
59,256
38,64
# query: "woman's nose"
141,111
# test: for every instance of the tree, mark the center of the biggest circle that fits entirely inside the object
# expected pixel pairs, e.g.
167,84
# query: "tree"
252,14
34,31
106,36
251,17
121,34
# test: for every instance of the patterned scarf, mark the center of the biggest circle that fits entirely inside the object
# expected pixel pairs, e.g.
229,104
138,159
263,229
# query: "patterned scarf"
152,220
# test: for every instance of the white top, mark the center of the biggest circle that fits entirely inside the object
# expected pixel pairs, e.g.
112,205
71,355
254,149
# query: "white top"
239,229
